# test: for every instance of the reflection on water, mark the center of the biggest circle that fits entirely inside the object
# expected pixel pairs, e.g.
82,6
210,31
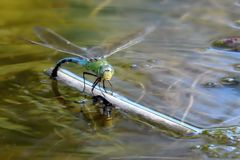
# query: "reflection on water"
173,71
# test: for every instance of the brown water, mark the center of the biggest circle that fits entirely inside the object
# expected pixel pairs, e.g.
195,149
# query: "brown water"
167,72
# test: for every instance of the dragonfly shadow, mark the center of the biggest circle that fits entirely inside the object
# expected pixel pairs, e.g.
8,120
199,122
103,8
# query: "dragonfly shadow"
104,105
103,108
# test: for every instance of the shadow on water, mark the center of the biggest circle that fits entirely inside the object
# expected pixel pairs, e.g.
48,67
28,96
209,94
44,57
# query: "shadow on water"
103,108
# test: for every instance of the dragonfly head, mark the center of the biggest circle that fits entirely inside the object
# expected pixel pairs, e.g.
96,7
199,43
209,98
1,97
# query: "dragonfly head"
107,72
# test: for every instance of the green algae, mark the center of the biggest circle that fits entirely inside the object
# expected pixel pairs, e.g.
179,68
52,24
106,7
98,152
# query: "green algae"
229,44
221,142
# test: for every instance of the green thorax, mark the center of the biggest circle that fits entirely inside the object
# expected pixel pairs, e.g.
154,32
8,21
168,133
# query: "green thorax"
96,65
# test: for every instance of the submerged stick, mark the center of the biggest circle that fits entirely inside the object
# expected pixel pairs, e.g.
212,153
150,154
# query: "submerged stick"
125,104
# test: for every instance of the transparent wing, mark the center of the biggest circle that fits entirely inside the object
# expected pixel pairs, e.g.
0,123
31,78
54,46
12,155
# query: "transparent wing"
130,40
52,40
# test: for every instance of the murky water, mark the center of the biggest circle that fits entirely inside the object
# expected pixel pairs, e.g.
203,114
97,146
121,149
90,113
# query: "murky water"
174,71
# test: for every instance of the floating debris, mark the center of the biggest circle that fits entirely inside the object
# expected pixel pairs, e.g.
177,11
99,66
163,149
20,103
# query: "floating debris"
147,65
210,85
134,66
237,67
229,81
154,61
153,116
237,3
229,44
237,23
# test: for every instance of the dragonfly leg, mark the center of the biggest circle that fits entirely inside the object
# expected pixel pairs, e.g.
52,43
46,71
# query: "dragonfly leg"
95,83
101,89
104,86
87,73
111,87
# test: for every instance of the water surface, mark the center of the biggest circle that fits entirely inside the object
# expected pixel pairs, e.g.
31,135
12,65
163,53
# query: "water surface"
167,72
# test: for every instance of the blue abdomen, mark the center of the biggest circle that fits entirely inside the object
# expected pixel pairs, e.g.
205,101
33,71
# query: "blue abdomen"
77,60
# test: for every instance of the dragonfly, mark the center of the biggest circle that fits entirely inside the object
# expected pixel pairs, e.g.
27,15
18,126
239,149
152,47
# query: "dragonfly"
93,59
